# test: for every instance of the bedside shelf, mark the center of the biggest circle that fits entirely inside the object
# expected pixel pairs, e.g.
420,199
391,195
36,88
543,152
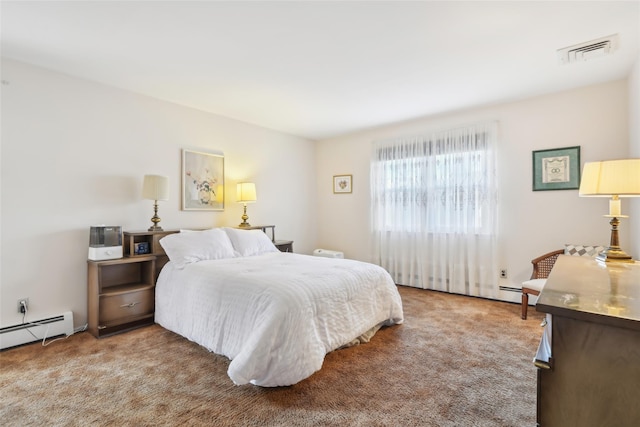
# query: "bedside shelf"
150,239
120,294
284,245
132,239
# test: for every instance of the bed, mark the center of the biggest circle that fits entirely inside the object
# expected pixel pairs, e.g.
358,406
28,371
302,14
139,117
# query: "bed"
274,315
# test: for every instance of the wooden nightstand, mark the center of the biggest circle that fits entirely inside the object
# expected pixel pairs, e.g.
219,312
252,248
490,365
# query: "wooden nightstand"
284,245
120,294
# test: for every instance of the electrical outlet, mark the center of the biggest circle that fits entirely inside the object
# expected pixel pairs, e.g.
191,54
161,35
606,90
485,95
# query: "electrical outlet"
22,303
503,273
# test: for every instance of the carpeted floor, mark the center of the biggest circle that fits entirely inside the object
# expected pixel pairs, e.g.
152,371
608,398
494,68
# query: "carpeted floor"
456,361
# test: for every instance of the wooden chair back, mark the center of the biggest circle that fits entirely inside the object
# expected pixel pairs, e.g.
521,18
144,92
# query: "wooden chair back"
543,264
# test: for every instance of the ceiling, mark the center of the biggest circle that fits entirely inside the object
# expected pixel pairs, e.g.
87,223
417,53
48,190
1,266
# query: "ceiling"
325,68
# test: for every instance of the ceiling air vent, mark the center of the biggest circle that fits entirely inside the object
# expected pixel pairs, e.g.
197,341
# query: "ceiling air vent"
588,50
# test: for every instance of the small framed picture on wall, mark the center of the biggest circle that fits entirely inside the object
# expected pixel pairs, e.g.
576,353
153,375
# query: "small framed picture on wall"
556,169
342,184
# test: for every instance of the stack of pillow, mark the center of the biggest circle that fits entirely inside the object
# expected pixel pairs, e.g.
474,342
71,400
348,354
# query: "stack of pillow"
189,247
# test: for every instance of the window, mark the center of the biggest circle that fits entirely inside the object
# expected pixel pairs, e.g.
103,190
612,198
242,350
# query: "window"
434,209
440,186
445,182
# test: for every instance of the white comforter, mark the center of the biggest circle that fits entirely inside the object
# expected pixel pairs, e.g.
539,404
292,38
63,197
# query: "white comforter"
275,315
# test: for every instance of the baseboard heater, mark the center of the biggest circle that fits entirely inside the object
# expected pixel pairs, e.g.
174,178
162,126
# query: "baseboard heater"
50,327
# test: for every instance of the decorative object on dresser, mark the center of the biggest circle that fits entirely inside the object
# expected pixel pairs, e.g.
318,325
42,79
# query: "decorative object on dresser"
202,181
155,187
342,184
615,179
246,194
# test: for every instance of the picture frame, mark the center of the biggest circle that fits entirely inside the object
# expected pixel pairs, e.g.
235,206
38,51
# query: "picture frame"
202,181
342,184
556,169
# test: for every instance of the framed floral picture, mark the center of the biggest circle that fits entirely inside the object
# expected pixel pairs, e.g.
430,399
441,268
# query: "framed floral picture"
342,184
556,169
202,181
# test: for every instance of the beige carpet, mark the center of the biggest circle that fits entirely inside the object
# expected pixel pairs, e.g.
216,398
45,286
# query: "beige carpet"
457,361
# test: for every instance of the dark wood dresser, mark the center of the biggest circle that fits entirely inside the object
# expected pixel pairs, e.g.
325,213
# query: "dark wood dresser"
593,375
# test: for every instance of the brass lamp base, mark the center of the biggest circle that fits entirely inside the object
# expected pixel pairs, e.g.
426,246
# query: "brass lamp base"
614,253
244,217
155,219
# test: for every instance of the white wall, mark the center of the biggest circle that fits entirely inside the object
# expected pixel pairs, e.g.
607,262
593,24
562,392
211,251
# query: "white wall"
634,151
74,154
531,223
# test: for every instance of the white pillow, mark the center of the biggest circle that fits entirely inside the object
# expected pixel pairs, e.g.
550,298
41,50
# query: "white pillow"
186,248
250,242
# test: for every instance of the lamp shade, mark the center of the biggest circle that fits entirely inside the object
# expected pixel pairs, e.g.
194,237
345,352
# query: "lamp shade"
246,192
220,194
611,178
155,187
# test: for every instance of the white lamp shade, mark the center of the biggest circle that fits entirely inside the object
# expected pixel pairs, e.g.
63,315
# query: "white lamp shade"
155,187
246,192
611,178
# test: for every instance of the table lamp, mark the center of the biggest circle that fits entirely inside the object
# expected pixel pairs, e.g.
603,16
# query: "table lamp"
246,194
155,187
615,179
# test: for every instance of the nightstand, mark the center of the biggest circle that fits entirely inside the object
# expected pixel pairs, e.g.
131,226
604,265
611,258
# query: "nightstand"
284,245
120,294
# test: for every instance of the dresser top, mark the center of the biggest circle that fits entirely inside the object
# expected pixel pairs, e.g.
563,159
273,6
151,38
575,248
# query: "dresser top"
585,289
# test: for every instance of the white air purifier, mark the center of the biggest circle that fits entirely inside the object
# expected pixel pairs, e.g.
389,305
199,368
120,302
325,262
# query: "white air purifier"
105,242
326,253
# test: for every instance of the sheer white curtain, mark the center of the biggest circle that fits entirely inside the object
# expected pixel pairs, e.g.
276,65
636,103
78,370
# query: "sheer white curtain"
434,213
